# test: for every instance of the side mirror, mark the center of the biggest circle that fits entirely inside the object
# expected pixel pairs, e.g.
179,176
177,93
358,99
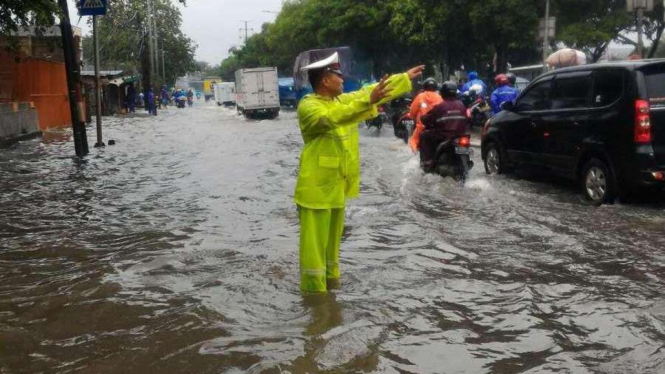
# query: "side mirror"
508,105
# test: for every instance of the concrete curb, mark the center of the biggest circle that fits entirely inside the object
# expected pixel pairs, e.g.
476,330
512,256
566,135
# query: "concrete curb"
7,142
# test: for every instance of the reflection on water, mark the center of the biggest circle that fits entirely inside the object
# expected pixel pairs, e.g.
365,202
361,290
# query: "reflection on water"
176,251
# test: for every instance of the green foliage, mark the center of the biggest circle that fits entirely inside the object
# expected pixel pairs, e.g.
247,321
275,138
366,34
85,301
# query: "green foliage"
20,13
591,25
123,38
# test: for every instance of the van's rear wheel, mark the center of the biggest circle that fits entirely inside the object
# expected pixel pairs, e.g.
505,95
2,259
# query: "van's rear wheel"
597,182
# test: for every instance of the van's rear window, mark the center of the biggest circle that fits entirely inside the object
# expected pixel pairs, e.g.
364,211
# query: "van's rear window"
656,87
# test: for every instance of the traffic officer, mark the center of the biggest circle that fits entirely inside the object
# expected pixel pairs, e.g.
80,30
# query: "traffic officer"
330,162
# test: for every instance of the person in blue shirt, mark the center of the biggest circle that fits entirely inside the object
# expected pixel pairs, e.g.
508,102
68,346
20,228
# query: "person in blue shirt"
503,93
473,81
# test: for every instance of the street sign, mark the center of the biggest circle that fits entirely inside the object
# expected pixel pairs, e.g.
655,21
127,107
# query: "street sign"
92,7
551,26
634,5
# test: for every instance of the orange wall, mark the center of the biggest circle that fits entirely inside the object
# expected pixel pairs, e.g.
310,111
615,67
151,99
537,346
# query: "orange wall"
40,81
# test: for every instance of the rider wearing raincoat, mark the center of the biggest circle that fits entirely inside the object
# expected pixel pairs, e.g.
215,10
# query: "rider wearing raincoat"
422,104
474,80
330,163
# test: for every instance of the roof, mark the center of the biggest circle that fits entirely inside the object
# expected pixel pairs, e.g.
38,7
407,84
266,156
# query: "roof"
630,64
103,73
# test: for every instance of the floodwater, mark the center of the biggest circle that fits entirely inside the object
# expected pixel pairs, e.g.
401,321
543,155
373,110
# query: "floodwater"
175,251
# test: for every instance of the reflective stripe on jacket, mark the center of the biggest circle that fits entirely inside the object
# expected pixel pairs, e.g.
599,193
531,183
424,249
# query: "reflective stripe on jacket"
330,160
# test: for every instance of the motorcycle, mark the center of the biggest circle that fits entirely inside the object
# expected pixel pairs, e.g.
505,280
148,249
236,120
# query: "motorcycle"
453,158
478,109
181,102
378,120
403,124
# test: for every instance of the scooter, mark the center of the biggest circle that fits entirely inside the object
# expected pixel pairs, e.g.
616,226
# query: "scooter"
478,113
453,158
181,102
403,124
378,120
190,101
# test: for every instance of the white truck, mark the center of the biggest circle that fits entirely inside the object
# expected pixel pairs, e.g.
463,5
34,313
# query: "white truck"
257,92
225,93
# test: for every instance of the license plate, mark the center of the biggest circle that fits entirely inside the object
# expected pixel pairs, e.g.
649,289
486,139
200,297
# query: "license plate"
408,122
463,151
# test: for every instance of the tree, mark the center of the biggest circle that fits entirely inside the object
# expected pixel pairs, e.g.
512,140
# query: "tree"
591,25
123,38
21,13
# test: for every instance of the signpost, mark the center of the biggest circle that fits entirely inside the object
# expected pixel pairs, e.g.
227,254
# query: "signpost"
95,8
639,6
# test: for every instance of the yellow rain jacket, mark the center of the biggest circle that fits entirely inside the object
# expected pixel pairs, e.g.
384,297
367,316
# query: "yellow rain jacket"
330,159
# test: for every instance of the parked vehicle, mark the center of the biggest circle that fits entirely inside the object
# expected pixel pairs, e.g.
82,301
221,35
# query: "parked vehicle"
287,92
453,157
257,92
602,125
225,93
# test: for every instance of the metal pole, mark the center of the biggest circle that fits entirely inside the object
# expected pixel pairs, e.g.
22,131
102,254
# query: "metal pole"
163,65
150,46
154,28
546,40
98,88
73,75
640,24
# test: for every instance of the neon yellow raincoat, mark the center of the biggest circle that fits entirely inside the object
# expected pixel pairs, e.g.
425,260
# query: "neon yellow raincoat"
329,174
330,160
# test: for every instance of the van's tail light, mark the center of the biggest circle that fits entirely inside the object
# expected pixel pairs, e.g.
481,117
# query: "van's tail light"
642,122
464,141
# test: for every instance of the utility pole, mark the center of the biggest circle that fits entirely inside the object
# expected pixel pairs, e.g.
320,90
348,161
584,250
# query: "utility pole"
151,46
246,30
98,88
154,27
73,76
163,65
546,39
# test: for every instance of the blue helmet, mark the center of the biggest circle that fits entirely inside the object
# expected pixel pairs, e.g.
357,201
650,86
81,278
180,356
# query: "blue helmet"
473,75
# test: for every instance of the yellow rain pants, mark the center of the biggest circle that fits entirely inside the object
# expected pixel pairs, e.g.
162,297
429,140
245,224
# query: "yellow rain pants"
330,173
320,237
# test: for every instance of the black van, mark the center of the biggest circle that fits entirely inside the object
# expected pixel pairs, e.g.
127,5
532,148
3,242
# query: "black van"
602,125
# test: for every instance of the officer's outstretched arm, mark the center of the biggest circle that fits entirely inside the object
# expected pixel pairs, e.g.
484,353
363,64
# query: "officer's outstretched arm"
398,85
318,117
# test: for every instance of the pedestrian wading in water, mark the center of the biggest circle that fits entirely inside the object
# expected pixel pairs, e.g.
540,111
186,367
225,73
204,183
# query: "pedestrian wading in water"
330,162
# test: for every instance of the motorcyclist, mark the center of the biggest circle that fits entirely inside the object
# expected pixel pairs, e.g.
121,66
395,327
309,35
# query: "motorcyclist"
503,93
444,121
422,104
165,96
475,81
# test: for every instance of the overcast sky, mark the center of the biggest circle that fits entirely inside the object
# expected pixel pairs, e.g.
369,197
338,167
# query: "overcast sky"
213,24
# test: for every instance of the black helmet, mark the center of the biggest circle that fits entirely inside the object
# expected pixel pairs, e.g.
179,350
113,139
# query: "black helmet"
511,78
449,89
430,84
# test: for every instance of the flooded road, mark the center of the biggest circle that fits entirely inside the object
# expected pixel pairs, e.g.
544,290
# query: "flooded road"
175,251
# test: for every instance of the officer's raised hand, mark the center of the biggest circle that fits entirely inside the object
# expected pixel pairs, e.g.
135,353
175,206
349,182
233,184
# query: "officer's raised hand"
415,72
380,92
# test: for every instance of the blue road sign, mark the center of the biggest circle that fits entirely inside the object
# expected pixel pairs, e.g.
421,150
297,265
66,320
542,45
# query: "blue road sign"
92,7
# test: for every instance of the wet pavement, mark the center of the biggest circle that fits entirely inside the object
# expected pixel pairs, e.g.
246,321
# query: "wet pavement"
175,251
